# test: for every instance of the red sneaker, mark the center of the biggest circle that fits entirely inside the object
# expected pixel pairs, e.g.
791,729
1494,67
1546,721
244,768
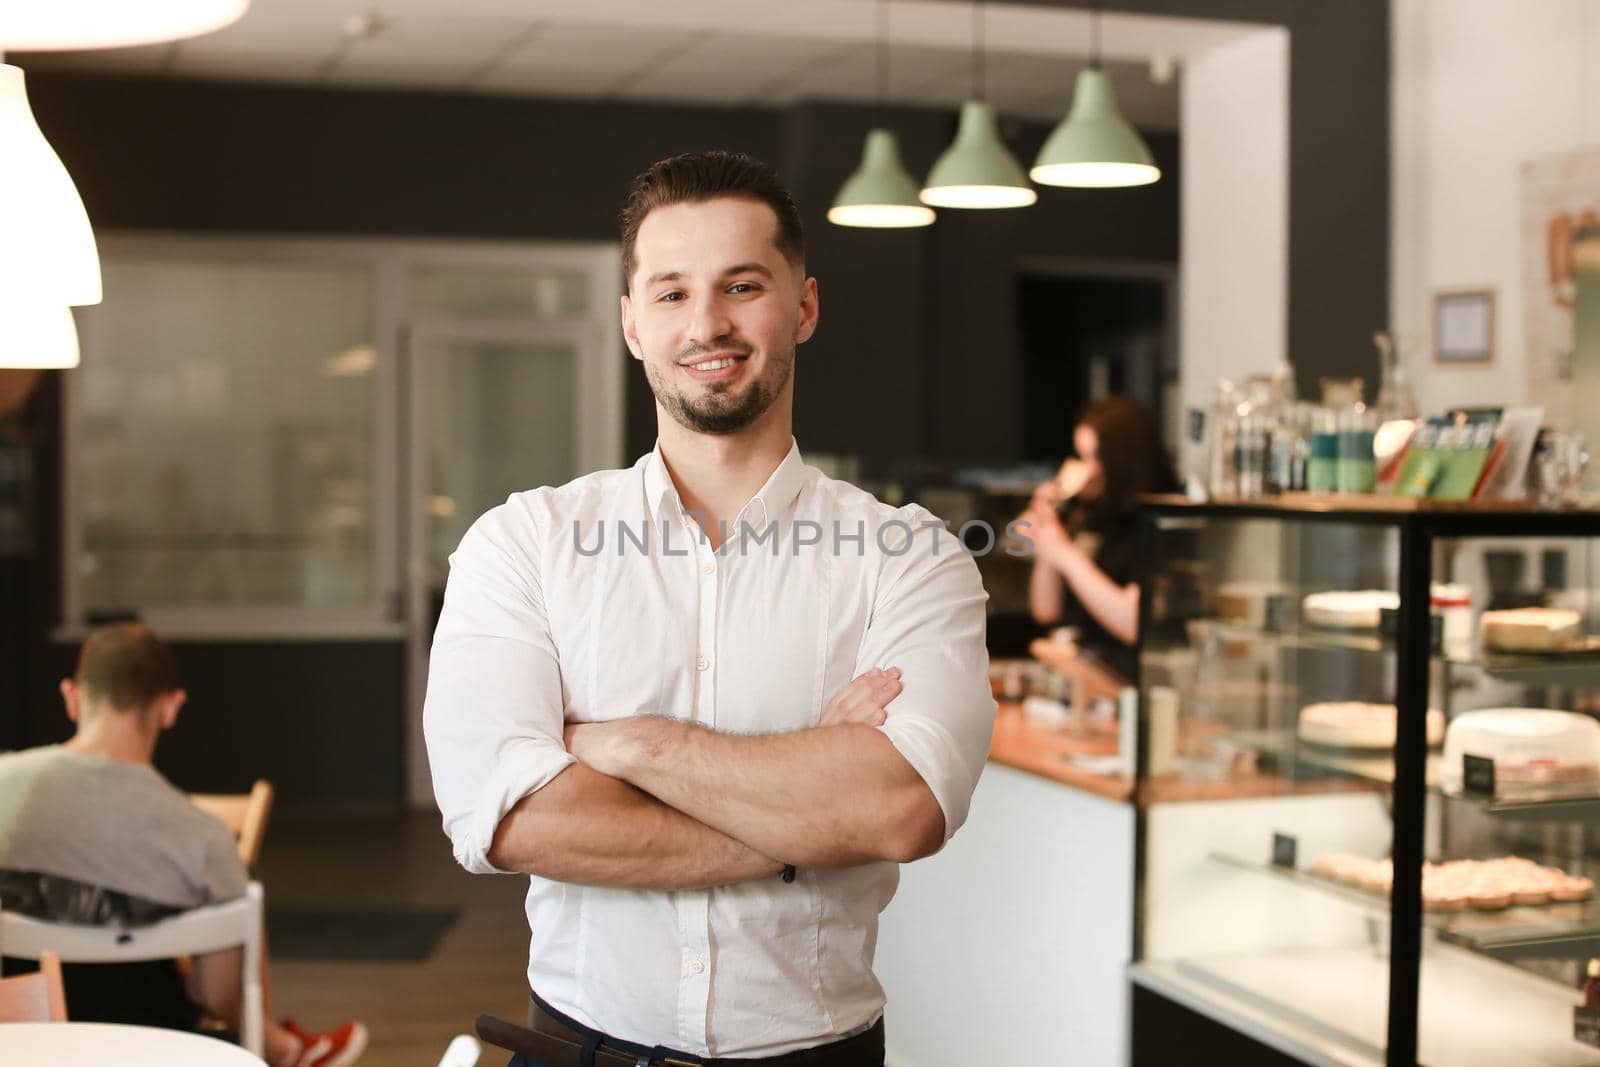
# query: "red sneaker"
336,1048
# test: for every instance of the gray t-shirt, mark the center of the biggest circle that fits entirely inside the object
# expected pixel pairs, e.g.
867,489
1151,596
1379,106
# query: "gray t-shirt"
118,825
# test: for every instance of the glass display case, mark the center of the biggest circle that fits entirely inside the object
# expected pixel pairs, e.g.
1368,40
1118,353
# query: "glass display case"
1369,778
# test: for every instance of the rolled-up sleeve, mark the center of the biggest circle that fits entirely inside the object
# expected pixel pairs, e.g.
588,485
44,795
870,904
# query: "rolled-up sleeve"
493,713
929,620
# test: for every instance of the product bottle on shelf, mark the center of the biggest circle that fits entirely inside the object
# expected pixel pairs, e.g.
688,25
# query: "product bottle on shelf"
1395,399
1357,472
1591,985
1257,421
1291,449
1223,478
1322,460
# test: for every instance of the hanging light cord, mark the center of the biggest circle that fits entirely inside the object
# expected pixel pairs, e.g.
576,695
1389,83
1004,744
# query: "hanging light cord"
883,57
1094,38
980,88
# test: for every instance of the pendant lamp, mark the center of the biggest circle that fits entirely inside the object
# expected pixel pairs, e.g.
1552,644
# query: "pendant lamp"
880,193
1094,146
37,335
72,25
977,170
48,255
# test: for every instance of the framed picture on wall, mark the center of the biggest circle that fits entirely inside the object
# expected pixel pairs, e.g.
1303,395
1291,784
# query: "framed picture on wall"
1463,326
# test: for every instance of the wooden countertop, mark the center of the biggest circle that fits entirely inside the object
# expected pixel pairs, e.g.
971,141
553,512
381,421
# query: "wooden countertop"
1038,748
1047,751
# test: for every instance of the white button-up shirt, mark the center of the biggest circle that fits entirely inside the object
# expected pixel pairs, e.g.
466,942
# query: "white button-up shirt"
599,600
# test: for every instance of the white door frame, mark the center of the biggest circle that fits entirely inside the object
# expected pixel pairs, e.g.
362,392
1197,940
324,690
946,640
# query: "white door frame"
597,425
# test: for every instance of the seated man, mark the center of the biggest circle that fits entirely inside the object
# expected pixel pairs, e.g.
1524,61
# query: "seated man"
90,832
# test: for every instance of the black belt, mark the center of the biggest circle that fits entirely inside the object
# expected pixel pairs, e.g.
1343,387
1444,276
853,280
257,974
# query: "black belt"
559,1041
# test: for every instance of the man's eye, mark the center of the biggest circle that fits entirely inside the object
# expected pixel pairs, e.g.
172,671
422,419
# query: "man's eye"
670,298
743,287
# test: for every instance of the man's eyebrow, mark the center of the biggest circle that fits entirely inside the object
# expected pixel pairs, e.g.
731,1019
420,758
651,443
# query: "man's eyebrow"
737,268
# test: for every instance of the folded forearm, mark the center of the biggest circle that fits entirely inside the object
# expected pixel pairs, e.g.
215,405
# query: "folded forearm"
834,796
590,829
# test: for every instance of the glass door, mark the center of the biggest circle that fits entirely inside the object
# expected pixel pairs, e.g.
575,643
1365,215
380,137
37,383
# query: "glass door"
495,408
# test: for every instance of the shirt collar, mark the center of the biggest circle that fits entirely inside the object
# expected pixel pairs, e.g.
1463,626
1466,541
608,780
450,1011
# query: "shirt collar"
772,499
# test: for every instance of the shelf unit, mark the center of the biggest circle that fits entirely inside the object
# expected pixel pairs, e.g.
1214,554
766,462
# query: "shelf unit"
1408,774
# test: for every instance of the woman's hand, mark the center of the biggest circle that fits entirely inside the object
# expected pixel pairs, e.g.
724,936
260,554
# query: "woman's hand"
1050,540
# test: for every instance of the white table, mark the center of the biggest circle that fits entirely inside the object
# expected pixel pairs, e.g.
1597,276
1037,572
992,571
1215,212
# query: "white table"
126,1046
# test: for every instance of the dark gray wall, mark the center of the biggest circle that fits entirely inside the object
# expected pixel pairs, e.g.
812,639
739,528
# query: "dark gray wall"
1339,76
916,354
888,376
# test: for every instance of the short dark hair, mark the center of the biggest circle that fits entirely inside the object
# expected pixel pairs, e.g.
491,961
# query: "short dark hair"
696,176
125,667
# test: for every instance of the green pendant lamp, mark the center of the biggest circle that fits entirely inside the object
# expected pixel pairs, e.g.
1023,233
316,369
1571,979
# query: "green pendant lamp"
977,170
880,194
1094,147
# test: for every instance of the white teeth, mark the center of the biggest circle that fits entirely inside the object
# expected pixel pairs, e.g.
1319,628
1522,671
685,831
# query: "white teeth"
714,364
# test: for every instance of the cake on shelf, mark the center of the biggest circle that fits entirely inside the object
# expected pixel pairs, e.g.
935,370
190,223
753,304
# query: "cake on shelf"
1529,629
1352,724
1536,751
1359,609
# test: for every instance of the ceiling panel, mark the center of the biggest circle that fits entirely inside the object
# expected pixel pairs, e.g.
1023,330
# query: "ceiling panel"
249,64
146,59
763,52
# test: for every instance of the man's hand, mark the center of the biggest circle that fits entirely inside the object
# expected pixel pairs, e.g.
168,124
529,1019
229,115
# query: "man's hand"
864,699
596,744
604,746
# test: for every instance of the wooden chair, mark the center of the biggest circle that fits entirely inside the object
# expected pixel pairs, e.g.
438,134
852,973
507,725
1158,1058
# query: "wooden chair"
37,997
243,813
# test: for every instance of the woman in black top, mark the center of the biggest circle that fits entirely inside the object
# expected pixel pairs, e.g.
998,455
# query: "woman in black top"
1092,550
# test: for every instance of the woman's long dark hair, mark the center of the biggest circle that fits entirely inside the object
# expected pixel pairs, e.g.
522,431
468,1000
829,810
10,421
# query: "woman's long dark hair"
1132,456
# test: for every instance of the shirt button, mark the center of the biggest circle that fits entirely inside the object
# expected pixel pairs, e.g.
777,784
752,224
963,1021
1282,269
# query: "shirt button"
697,966
708,568
702,664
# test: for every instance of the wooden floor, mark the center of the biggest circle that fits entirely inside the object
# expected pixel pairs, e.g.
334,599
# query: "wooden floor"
398,860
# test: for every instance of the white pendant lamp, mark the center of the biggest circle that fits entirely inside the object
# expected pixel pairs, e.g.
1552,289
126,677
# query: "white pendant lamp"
977,170
1094,146
37,335
47,252
880,193
72,25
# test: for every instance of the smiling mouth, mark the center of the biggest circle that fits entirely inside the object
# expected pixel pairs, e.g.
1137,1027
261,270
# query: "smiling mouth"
715,364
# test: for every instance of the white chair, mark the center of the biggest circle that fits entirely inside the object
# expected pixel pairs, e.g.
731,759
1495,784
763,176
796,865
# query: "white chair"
193,933
463,1052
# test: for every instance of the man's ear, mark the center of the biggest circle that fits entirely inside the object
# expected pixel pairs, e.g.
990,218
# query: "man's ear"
808,312
630,331
170,704
73,698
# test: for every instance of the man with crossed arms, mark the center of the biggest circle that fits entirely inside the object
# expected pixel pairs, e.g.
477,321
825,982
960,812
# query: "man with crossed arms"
649,735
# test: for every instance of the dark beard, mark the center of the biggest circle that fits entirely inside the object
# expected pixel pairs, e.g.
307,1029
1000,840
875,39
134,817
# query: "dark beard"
720,412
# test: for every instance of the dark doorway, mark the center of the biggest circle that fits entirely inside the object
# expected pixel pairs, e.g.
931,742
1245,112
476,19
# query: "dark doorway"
1084,337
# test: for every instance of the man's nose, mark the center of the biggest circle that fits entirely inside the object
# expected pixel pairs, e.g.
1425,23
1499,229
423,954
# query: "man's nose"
711,321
